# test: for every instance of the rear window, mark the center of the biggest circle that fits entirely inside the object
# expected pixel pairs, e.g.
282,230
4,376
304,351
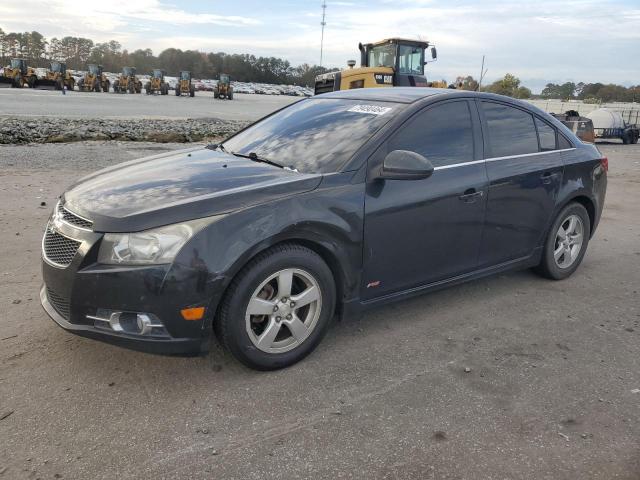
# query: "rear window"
315,135
511,130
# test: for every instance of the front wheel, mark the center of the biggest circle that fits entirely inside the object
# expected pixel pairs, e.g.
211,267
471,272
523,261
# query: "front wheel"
566,243
278,308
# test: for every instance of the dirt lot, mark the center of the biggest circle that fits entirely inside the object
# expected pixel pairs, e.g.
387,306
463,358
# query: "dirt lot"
553,390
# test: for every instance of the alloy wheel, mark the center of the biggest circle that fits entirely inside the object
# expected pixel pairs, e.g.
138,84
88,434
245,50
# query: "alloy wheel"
569,240
283,311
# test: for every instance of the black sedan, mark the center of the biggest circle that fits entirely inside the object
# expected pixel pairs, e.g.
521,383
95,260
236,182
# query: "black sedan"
324,208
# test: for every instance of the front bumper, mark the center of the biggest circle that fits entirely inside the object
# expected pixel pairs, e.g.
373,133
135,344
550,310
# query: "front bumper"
77,291
172,346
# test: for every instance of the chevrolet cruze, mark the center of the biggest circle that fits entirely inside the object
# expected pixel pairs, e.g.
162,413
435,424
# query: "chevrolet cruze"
324,208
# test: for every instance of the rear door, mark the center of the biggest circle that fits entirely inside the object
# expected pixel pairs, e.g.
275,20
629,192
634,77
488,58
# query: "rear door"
525,170
418,232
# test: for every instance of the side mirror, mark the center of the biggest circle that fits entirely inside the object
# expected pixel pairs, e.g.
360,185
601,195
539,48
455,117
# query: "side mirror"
405,165
434,55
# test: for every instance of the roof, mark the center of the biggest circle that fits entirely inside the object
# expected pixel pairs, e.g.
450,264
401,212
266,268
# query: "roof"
395,94
400,40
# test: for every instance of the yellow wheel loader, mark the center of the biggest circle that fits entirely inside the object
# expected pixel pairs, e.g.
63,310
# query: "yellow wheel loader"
184,85
94,80
56,78
394,62
223,88
127,82
17,75
156,83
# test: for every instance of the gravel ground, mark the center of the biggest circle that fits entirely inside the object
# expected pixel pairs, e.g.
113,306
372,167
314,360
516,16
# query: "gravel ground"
552,390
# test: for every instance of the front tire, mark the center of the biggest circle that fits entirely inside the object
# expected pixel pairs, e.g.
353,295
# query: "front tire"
566,243
278,308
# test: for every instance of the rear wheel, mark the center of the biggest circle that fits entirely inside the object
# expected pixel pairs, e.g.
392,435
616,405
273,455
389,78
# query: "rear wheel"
566,243
192,92
278,308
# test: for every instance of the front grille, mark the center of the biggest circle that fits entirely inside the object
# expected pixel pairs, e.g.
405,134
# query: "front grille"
74,219
60,304
58,248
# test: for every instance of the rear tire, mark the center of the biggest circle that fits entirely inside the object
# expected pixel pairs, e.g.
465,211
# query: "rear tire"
566,243
266,340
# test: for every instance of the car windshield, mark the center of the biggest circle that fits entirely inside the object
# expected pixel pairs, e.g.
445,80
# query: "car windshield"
315,135
383,56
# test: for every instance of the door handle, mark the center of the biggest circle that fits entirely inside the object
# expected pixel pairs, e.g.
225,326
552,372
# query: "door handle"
470,195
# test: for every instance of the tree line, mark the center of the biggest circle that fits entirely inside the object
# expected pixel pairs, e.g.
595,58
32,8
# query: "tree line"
77,52
591,92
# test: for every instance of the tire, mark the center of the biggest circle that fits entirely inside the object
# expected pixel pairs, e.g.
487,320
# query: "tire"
192,92
230,96
634,139
569,259
241,332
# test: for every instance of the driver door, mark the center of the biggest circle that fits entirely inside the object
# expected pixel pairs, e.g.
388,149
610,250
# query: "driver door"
419,232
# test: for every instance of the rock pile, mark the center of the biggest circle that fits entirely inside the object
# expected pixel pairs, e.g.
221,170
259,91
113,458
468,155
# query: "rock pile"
18,130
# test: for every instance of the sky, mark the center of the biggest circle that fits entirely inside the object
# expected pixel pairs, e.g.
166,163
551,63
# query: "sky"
538,41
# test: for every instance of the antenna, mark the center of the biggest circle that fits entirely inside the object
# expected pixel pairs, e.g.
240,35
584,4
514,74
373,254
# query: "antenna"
483,72
323,23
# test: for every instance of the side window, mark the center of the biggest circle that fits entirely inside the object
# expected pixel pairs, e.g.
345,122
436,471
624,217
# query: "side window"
546,135
442,133
511,130
563,143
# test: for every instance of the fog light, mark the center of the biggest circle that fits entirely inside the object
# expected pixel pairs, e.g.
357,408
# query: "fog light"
132,323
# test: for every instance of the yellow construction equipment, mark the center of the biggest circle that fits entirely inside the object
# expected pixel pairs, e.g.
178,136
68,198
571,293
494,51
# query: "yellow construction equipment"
184,85
56,78
223,88
156,83
127,82
17,75
94,80
394,62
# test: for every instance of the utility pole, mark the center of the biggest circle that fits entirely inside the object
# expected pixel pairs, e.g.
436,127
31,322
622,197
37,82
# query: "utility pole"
323,23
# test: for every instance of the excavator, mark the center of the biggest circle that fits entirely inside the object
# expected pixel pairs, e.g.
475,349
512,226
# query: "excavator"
393,62
56,78
17,75
94,80
184,86
156,83
127,82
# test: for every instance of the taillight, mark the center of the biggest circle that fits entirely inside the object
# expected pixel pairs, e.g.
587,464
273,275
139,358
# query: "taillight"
604,161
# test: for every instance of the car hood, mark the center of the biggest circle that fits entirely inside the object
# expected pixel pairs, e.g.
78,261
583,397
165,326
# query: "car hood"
179,186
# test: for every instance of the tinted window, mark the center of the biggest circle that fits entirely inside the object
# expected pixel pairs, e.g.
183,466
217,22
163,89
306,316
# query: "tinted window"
314,136
511,131
547,136
443,134
410,60
563,142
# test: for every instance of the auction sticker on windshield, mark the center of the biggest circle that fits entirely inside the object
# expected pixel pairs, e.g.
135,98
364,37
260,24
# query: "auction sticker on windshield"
372,109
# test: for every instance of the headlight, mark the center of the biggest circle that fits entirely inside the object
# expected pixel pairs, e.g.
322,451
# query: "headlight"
150,247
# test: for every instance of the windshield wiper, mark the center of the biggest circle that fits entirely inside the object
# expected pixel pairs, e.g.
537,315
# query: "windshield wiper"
254,156
216,146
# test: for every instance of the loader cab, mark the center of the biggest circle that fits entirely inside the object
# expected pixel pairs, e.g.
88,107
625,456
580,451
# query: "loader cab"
158,74
128,71
186,76
95,70
58,67
224,79
407,58
19,64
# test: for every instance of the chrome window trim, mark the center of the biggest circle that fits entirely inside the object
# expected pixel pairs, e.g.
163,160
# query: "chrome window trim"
495,159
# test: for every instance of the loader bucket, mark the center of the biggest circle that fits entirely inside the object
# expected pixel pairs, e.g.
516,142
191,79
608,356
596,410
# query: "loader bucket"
44,84
6,82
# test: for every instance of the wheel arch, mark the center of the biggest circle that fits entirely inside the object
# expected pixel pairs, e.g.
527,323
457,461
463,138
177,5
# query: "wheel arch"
583,199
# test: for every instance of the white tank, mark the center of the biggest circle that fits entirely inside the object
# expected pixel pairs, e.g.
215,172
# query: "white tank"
605,118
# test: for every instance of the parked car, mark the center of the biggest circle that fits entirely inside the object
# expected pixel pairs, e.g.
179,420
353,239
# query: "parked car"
329,206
